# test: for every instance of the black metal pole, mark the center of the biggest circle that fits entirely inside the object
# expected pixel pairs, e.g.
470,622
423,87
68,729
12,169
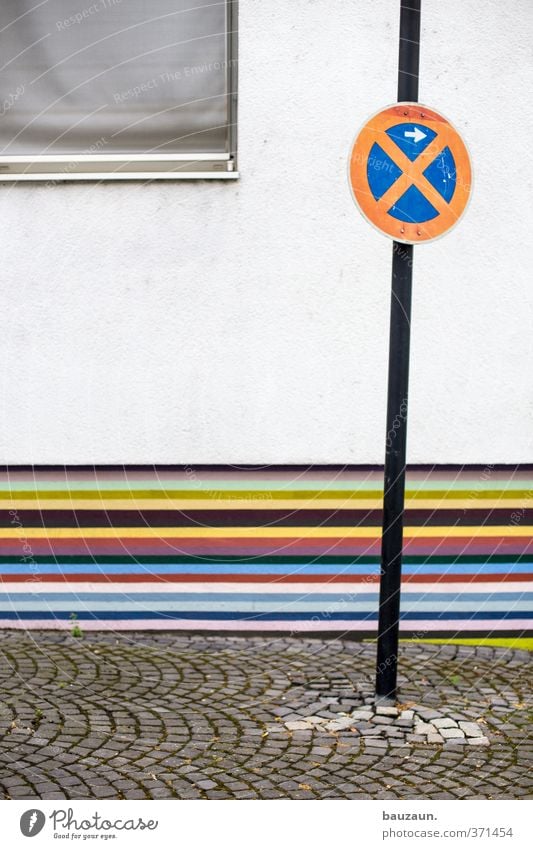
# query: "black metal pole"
397,397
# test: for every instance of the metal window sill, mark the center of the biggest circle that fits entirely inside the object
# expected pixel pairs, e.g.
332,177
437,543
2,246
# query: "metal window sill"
58,168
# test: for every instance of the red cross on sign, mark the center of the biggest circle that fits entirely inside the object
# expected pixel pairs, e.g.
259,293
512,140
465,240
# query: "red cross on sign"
410,173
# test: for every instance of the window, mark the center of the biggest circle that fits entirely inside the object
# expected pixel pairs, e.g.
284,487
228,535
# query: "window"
120,89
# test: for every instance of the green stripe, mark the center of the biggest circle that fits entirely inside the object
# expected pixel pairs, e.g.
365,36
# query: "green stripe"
298,559
248,494
262,485
211,487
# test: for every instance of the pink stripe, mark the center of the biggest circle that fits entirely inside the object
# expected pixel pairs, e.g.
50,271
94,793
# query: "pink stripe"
273,588
420,627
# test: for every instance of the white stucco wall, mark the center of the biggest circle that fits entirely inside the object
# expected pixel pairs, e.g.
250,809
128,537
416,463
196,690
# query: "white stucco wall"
248,321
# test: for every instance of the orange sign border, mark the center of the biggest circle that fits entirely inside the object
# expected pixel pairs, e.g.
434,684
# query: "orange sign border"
376,212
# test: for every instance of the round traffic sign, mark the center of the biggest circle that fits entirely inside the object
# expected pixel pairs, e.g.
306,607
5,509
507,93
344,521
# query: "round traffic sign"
410,173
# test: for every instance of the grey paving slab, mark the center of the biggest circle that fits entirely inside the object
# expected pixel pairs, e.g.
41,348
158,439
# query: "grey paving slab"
175,716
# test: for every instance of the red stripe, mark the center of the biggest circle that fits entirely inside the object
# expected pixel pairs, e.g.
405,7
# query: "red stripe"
99,578
504,577
428,545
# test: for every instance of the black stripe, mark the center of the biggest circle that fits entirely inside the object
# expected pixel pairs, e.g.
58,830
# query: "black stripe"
255,518
248,467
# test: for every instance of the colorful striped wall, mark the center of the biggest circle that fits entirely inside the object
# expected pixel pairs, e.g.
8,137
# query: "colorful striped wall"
267,549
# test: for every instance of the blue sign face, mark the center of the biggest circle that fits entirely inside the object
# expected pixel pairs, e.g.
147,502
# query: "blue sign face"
382,172
410,173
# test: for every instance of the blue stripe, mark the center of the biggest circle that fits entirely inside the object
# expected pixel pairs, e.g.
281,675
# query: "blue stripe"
288,568
262,597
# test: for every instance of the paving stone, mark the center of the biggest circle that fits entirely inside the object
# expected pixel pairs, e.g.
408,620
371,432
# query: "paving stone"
426,714
471,729
177,716
403,723
445,722
435,738
451,733
424,728
340,724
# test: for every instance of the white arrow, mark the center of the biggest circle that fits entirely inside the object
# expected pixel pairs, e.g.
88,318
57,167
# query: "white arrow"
415,134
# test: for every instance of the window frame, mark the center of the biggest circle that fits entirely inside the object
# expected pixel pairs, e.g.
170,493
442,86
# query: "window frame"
55,168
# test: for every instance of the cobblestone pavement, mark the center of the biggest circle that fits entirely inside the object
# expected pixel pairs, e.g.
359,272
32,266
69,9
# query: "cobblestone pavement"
139,715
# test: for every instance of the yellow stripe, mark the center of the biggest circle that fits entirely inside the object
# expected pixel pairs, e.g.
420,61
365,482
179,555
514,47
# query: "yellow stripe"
262,532
248,504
